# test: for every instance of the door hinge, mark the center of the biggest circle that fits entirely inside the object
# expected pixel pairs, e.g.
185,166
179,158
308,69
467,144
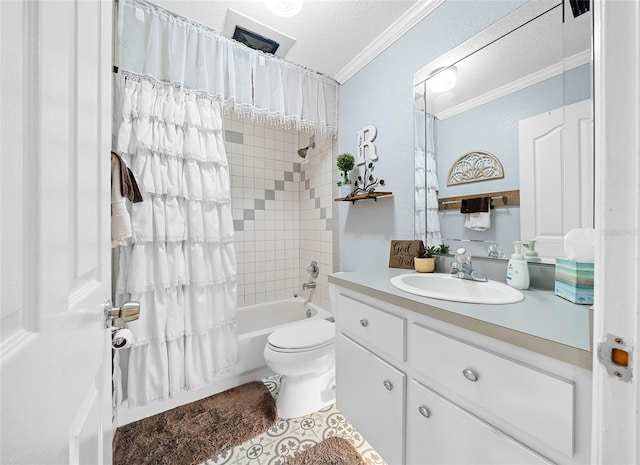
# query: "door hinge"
616,355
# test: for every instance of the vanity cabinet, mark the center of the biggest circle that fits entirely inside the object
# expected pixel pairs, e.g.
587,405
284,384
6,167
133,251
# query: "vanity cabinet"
422,390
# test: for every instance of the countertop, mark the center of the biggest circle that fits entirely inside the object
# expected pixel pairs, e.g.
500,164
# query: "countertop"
542,322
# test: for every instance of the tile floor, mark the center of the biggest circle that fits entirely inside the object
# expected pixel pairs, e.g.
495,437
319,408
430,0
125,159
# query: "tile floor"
291,437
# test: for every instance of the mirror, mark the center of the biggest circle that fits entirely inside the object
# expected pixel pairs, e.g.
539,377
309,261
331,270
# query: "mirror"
516,126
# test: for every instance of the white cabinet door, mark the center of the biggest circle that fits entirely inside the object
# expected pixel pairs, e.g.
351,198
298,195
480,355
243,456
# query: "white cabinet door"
55,266
439,432
370,393
556,176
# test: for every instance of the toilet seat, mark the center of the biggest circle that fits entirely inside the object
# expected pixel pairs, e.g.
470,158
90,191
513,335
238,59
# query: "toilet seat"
303,336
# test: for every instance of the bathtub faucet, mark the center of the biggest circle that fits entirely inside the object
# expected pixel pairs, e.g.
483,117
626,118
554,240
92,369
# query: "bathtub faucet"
310,285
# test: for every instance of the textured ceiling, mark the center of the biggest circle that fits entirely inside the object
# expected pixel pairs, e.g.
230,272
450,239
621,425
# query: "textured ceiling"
329,34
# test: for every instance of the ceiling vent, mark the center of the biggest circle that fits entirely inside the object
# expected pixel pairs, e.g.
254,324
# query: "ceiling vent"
256,35
255,41
579,7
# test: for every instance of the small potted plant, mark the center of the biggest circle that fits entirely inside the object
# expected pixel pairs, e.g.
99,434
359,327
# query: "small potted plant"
443,249
345,163
425,263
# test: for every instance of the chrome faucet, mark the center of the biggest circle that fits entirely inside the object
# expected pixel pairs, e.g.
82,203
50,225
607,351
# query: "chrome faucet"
310,285
462,268
313,269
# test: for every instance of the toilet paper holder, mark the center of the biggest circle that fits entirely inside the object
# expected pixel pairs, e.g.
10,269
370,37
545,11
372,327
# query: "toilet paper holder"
121,338
129,311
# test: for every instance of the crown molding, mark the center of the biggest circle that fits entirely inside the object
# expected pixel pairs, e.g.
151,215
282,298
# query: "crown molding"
556,69
410,18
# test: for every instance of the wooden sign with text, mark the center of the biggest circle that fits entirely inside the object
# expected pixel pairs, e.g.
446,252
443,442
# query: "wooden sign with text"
402,253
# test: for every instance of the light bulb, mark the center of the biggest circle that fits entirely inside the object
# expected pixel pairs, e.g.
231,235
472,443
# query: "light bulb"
443,80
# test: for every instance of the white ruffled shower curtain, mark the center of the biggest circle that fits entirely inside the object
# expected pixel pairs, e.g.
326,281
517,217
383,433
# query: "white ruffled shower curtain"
175,78
181,262
433,220
427,222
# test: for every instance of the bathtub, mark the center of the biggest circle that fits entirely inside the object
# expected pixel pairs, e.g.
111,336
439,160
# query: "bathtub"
256,322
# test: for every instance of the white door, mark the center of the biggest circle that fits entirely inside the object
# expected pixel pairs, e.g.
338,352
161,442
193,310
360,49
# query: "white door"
556,175
54,231
616,407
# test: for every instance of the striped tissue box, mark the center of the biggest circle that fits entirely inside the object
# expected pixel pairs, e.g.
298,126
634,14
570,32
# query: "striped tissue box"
574,281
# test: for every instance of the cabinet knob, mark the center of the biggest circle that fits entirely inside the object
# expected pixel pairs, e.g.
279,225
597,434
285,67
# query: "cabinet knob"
364,323
424,411
470,375
388,385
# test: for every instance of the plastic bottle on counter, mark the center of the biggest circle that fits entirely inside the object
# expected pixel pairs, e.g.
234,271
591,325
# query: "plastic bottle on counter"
517,268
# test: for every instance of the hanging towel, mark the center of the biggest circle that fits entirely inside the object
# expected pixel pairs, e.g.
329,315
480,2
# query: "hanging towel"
475,205
476,211
128,184
120,220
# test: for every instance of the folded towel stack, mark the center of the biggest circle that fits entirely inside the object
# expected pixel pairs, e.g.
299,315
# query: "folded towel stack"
476,211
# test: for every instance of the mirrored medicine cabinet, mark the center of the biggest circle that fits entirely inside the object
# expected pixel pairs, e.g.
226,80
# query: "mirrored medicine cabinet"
520,91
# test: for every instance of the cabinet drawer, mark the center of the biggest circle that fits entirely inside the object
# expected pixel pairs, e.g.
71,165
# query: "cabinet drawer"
441,432
375,328
370,394
536,402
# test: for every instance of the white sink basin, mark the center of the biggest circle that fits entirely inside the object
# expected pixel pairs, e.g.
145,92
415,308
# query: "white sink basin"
447,287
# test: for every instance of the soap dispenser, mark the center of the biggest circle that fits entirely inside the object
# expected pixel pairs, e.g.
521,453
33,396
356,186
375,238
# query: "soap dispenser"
531,255
518,269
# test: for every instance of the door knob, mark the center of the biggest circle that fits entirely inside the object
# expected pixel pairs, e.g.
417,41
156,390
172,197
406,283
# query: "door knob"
129,311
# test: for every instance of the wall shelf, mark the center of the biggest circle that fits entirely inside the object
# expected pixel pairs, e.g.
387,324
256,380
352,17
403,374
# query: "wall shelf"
498,199
371,195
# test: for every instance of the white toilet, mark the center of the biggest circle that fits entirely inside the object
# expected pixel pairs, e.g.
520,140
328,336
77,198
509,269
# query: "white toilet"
304,354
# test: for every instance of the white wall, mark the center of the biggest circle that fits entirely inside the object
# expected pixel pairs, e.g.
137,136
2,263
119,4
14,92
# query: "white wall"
382,94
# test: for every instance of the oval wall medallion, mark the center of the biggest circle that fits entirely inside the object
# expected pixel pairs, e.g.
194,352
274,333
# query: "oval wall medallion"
475,166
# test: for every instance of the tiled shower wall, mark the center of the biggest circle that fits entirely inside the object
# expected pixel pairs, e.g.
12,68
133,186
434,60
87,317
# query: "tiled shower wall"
281,210
316,214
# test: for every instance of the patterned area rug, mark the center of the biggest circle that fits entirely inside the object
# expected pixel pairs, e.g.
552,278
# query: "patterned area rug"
288,438
332,451
195,432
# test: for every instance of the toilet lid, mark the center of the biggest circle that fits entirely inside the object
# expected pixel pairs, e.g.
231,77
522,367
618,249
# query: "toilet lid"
304,335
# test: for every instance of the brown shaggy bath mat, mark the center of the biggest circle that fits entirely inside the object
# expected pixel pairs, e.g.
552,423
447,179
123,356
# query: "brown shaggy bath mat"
201,430
331,451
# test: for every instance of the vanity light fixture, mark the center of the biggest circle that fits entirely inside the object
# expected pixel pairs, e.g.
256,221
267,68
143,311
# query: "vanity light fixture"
284,8
442,80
